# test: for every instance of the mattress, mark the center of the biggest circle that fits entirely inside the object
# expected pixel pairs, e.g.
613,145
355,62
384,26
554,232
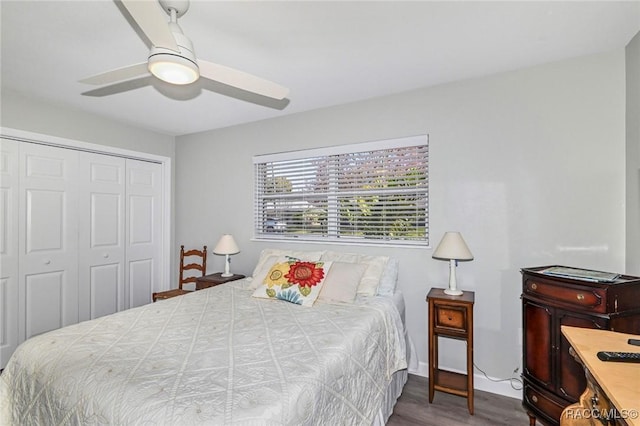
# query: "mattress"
215,356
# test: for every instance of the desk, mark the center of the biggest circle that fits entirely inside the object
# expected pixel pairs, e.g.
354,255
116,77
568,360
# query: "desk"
610,385
450,316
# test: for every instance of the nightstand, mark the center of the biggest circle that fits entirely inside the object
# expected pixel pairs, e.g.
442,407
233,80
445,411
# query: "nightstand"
214,280
450,316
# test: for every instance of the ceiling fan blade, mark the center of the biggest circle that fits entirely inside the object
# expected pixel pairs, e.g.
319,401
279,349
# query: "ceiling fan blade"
121,87
152,20
241,80
242,95
120,74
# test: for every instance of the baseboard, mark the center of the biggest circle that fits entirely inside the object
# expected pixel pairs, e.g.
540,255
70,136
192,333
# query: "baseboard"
480,382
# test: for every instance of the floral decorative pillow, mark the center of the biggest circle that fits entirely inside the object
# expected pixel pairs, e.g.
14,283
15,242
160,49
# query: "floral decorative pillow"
268,255
295,281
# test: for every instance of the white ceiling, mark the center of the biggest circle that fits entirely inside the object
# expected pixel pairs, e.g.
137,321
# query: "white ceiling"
327,53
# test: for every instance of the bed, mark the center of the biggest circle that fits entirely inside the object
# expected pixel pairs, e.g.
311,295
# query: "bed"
218,356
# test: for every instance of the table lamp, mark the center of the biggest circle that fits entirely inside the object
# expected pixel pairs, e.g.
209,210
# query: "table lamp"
452,248
226,246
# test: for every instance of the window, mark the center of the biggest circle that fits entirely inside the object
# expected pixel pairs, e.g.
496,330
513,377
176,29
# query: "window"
376,192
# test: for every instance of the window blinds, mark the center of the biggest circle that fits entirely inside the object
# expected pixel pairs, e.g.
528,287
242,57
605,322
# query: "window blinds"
373,192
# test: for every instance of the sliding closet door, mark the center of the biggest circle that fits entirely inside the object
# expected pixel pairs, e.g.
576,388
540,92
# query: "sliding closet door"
48,242
101,237
81,236
9,199
143,232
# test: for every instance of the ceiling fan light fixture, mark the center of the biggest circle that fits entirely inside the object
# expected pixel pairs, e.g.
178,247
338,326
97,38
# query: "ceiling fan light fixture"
173,68
172,58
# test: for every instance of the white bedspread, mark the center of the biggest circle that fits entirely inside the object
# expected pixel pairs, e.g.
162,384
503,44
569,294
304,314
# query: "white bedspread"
216,356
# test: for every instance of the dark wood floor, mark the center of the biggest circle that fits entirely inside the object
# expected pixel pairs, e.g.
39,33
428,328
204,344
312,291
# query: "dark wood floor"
413,408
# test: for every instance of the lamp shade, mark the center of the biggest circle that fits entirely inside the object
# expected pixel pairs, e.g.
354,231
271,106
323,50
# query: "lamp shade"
452,247
226,245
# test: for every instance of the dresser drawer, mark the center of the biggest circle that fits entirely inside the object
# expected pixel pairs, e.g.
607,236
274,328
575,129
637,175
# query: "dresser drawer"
543,404
451,318
583,298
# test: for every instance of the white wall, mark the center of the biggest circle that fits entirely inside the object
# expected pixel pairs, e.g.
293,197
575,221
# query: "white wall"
526,164
37,116
633,156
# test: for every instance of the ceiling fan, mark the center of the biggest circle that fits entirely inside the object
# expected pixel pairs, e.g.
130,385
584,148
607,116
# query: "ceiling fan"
172,58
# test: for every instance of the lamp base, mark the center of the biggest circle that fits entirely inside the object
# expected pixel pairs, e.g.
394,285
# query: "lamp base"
453,286
451,292
227,264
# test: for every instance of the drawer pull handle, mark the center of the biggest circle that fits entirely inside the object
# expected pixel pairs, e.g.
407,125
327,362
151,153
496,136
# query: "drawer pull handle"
450,319
534,286
580,296
534,398
47,262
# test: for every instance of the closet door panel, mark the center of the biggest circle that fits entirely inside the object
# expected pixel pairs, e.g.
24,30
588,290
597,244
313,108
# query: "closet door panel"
45,211
45,302
141,276
9,201
48,243
106,293
144,231
102,225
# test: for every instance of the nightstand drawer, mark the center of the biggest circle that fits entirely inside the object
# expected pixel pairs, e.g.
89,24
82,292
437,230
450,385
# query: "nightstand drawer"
452,318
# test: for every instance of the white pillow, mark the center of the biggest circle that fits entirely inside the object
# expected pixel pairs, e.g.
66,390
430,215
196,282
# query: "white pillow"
389,280
373,274
336,256
263,262
262,269
341,283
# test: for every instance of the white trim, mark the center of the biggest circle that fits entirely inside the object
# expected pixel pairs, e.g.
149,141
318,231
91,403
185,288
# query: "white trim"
342,149
480,382
40,138
43,139
364,243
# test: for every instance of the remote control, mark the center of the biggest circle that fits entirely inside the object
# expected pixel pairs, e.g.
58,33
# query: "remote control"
634,342
619,356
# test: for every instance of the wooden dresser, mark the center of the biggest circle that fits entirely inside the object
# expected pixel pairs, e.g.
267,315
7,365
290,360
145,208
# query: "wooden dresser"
552,379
